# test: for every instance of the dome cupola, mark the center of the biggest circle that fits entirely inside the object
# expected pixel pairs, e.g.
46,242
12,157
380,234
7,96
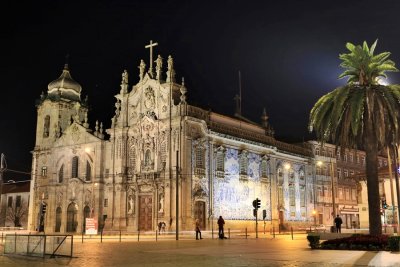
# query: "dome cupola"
65,87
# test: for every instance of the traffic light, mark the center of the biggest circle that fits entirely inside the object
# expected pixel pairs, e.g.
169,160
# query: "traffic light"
264,214
255,212
384,205
258,203
44,207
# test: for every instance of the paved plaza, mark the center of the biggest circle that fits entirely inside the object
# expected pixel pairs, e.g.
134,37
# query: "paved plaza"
240,252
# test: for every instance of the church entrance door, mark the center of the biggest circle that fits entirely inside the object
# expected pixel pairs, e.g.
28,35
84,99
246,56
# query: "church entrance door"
200,213
72,213
145,213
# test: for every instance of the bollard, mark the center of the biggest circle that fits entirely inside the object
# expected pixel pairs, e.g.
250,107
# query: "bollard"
82,236
273,231
291,230
101,236
138,234
246,232
156,235
212,233
229,233
120,236
2,237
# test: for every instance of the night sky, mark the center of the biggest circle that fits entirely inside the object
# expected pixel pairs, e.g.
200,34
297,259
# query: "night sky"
287,53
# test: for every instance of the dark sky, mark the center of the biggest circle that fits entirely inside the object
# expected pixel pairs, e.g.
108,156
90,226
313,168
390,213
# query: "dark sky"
287,52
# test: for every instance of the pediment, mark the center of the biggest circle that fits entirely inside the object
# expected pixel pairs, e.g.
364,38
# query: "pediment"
148,98
75,134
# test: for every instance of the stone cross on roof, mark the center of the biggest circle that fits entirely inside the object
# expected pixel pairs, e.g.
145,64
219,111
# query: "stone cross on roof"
151,45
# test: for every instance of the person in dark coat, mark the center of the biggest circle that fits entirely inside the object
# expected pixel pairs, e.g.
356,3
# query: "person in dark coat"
338,223
198,232
221,223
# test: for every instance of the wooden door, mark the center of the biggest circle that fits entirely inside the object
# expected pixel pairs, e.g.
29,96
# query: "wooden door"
200,213
145,213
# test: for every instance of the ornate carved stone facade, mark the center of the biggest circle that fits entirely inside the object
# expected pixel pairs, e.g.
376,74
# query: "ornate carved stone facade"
127,181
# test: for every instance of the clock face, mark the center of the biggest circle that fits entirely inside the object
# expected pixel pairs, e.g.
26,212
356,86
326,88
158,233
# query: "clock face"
149,98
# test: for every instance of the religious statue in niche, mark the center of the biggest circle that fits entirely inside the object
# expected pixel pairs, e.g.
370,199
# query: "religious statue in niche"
161,207
147,158
149,101
131,207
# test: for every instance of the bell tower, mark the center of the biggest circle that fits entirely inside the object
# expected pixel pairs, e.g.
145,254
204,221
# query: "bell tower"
58,108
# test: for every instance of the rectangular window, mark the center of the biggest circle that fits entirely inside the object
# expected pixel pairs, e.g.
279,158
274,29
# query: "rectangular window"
330,153
280,195
346,173
106,202
339,173
18,202
302,198
345,157
363,160
10,202
220,161
338,155
340,193
243,164
380,163
351,157
292,196
358,159
199,158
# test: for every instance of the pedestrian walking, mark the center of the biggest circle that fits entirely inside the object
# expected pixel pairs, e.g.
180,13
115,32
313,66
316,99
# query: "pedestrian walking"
159,227
163,225
198,232
338,223
221,223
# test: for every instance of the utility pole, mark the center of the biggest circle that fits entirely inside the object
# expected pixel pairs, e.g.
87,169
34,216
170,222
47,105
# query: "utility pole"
3,166
177,195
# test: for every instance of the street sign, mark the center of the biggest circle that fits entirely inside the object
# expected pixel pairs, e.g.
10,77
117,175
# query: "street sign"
91,226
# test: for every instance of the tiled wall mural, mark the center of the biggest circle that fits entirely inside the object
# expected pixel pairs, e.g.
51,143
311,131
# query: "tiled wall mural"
233,196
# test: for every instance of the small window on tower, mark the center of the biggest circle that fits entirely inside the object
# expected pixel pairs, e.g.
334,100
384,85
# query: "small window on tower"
44,171
46,126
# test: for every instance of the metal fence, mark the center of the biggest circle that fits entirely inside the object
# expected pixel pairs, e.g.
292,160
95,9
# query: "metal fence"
39,245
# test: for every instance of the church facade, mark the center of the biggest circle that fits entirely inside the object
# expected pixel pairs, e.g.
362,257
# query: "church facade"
162,160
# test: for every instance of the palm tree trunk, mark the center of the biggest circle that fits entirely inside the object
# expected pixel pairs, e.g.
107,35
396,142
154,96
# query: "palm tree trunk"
371,151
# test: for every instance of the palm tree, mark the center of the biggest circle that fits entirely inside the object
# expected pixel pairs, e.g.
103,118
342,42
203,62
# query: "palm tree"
361,114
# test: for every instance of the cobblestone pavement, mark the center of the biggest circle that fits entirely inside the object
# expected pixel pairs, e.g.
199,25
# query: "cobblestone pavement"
281,251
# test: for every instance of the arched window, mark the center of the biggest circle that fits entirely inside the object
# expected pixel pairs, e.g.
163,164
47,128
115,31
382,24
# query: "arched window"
264,168
88,171
61,174
75,166
58,219
46,126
